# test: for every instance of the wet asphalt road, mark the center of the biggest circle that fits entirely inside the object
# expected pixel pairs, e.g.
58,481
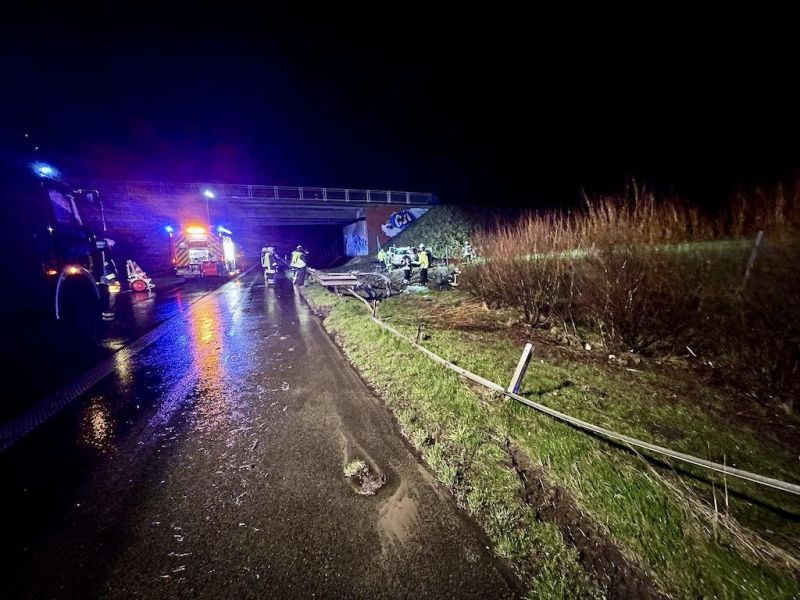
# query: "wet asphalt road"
45,362
211,465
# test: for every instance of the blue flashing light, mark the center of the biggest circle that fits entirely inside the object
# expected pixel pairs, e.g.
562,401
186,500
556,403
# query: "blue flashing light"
208,194
169,229
44,170
221,229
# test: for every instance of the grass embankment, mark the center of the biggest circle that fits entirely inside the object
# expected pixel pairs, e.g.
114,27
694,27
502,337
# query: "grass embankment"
571,518
444,229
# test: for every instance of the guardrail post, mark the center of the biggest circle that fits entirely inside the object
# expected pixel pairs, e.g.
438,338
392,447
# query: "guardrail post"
752,260
522,366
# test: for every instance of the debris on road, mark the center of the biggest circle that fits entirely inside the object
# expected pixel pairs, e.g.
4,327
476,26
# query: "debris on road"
366,481
239,430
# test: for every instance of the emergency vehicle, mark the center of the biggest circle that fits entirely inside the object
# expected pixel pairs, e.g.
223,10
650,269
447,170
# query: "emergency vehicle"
58,268
198,252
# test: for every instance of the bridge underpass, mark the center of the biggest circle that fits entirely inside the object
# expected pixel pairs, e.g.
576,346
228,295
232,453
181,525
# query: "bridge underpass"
331,222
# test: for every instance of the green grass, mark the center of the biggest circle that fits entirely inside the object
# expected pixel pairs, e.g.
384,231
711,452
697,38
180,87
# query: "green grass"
656,517
319,298
353,467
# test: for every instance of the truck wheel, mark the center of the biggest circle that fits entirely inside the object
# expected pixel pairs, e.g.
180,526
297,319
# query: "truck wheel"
79,312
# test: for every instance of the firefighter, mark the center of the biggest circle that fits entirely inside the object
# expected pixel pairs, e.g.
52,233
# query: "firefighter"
298,263
468,252
268,262
382,256
424,262
407,268
387,261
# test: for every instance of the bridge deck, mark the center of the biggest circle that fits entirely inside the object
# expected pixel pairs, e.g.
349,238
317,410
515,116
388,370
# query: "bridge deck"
273,195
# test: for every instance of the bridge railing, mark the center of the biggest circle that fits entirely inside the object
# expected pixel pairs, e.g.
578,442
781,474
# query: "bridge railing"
265,192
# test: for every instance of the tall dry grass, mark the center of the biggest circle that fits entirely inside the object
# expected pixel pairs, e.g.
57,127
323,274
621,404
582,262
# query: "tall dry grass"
654,275
775,210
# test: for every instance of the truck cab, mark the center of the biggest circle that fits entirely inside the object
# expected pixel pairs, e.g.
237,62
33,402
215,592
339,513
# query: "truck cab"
57,273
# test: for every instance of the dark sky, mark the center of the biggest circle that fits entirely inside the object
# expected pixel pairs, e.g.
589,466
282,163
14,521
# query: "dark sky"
503,110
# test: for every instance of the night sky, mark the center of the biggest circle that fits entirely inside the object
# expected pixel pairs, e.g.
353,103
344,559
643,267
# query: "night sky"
502,111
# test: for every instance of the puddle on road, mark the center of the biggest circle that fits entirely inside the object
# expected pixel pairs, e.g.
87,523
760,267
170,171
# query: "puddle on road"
398,515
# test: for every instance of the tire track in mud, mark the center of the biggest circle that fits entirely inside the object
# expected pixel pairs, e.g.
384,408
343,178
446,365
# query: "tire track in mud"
598,554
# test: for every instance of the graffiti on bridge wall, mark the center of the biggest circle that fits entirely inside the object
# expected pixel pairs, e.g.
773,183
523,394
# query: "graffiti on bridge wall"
401,219
355,239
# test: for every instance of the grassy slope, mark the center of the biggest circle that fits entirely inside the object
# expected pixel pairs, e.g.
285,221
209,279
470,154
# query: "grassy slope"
445,228
652,514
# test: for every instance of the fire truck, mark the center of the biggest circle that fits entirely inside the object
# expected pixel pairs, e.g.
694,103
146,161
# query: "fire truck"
199,252
58,272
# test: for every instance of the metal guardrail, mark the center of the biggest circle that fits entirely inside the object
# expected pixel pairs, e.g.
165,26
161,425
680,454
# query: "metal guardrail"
334,279
596,429
351,281
275,193
580,424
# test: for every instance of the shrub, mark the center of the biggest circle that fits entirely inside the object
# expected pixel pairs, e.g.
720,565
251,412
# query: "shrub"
655,276
526,265
642,299
759,332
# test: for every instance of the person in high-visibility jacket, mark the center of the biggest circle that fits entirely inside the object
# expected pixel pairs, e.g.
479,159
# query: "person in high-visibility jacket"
268,262
382,256
424,262
298,263
406,264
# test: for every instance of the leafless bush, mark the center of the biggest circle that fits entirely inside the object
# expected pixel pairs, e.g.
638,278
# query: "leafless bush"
642,299
643,287
759,332
526,265
654,275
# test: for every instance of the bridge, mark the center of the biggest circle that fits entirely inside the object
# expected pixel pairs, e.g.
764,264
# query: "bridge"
268,205
138,211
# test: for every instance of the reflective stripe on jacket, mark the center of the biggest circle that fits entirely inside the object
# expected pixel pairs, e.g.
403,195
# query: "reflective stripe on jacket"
297,260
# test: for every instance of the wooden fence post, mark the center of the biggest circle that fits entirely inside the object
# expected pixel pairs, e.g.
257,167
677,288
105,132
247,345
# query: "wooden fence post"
522,366
752,260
